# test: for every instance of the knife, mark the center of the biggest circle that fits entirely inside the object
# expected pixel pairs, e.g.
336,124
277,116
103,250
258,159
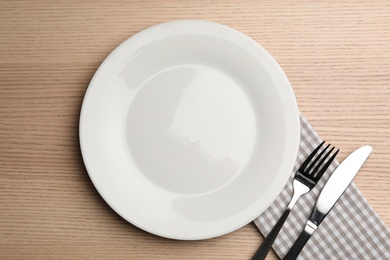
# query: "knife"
330,194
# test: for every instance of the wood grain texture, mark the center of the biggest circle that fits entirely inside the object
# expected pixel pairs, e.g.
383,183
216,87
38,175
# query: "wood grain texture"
335,53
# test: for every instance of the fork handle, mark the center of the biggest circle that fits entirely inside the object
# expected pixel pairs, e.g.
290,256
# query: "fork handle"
263,250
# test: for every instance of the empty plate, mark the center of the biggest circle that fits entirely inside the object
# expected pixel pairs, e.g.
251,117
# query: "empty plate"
189,130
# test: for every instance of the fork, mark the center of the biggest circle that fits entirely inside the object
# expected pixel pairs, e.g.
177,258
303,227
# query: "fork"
305,179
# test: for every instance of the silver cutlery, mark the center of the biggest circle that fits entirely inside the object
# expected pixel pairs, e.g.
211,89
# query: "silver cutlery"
330,194
305,179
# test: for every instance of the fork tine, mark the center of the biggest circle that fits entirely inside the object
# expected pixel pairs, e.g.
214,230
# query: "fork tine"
322,161
325,167
316,160
308,159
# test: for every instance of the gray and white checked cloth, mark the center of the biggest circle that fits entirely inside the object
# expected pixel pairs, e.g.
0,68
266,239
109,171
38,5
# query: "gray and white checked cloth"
352,230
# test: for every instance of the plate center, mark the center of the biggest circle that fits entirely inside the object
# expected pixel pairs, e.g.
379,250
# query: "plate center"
191,129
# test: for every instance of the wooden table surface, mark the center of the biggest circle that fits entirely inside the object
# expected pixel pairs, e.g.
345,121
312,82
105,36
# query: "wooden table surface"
336,55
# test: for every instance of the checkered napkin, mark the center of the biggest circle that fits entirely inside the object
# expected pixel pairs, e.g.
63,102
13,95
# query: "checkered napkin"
352,229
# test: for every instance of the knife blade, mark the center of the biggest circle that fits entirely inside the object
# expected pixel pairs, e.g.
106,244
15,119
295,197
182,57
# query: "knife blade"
330,194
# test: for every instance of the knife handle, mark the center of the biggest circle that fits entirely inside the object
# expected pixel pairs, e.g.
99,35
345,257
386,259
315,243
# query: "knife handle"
299,243
263,250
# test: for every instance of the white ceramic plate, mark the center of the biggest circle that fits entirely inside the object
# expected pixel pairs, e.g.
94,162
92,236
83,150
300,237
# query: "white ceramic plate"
189,130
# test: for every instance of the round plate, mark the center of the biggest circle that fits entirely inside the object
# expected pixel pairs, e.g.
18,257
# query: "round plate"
189,130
